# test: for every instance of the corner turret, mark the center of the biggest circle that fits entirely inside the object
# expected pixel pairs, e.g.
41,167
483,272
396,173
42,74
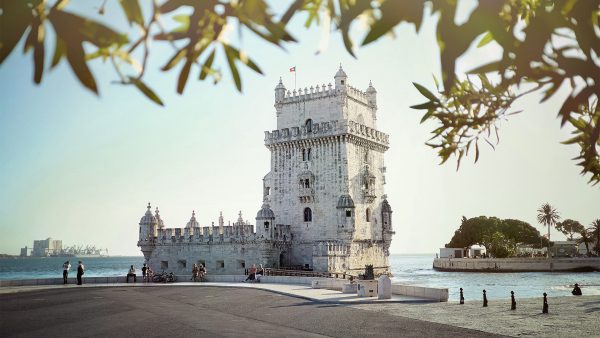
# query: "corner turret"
264,221
340,78
148,231
279,91
372,95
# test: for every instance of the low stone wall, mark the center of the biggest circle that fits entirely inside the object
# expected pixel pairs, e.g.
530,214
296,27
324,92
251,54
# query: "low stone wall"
516,264
437,294
180,278
58,281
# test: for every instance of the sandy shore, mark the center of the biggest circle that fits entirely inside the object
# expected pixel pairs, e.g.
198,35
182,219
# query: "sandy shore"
567,317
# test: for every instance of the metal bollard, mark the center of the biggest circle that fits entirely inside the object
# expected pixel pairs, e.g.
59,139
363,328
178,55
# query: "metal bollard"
462,298
485,302
545,309
513,303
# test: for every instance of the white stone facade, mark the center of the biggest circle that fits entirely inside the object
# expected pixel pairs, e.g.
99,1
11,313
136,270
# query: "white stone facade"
324,205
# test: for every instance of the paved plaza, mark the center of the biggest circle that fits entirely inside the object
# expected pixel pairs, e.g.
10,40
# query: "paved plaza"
197,311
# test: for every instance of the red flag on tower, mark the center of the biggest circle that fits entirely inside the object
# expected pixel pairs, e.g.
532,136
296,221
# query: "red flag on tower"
293,69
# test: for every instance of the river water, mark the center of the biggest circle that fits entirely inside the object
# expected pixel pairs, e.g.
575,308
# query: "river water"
408,269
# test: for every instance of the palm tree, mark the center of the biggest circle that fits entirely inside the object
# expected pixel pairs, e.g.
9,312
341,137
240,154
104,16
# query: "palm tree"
547,215
594,233
586,239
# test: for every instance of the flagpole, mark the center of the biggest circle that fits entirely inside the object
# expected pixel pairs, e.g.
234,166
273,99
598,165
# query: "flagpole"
295,71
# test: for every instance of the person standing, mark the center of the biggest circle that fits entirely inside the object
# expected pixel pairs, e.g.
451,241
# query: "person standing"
80,270
144,269
66,268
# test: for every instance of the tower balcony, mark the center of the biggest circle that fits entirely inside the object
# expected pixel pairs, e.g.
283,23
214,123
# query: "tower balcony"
306,195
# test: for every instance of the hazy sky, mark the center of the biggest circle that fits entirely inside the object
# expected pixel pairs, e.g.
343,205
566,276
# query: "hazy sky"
82,169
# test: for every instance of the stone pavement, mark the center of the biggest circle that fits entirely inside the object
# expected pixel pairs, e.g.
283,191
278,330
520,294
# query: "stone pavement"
568,316
197,311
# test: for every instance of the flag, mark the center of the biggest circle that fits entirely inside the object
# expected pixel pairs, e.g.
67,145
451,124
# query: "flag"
293,69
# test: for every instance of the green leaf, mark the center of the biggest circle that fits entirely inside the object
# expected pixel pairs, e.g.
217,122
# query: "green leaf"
59,52
183,76
427,116
426,105
76,58
207,65
146,90
394,12
231,56
38,55
175,59
487,38
71,28
487,68
425,92
16,17
133,11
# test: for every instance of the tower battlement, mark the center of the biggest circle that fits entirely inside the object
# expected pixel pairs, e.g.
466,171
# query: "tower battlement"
323,129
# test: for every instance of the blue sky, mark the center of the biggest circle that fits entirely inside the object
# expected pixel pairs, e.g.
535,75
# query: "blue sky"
81,168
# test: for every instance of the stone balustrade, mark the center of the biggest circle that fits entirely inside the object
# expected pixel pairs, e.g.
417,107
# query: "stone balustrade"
329,128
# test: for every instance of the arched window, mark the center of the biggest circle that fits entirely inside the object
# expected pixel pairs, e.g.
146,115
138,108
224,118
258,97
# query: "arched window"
308,125
368,215
307,215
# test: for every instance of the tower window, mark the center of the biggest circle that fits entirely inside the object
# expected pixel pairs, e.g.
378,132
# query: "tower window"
308,125
368,215
307,215
306,154
266,225
348,213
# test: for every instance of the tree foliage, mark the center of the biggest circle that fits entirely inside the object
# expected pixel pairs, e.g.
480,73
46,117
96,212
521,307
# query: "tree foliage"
545,44
494,233
501,246
594,234
569,228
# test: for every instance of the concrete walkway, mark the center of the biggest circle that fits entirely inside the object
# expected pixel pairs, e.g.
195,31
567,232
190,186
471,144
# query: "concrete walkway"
294,290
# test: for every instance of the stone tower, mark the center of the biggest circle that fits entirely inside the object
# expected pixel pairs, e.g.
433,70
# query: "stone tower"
326,183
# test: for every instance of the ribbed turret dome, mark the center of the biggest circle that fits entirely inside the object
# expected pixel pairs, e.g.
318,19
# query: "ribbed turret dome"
192,223
345,201
148,218
265,212
340,73
280,85
371,89
385,206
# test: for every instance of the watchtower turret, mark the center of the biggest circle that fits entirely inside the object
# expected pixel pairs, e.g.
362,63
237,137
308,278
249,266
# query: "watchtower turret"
340,79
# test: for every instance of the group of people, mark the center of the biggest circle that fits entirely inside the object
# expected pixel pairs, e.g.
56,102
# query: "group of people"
198,273
67,268
254,274
147,274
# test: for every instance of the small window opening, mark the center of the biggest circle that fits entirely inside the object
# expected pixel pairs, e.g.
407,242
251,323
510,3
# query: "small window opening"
308,125
181,263
307,215
220,265
164,265
348,213
368,215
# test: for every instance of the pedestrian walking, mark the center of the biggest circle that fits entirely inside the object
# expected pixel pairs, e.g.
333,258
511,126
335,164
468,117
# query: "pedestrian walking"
66,268
80,271
144,270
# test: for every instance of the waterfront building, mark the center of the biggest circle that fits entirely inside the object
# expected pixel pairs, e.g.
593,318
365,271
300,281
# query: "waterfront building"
324,206
46,247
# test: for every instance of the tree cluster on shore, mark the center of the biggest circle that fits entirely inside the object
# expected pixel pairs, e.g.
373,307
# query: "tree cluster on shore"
501,237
